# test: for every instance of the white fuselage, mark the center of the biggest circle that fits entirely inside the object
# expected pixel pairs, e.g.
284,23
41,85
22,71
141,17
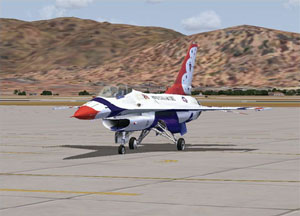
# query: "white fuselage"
137,110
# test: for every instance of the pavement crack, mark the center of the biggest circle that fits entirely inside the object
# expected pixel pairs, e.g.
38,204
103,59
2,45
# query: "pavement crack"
288,212
29,204
246,167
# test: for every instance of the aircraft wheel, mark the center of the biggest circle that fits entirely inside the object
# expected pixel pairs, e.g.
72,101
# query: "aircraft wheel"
180,144
121,149
132,143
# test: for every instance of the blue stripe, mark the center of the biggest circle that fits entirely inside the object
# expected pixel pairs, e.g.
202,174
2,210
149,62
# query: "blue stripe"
114,109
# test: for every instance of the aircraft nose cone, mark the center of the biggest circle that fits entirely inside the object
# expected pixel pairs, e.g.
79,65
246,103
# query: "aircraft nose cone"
85,112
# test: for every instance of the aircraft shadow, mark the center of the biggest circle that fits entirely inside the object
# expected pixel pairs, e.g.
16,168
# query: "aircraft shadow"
100,151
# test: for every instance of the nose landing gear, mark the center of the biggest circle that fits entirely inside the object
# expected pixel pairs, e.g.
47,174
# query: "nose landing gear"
122,138
121,149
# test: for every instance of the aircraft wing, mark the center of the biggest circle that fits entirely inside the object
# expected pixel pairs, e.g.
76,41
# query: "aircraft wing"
212,108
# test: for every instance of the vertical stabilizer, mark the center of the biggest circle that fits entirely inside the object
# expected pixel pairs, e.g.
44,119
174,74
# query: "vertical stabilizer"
183,83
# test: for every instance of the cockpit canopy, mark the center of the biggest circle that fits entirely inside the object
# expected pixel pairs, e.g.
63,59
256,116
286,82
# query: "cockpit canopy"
118,91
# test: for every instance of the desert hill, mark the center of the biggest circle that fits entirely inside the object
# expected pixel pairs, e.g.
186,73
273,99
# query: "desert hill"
70,54
238,56
70,43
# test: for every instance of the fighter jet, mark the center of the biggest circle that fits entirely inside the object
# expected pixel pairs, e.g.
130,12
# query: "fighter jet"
166,114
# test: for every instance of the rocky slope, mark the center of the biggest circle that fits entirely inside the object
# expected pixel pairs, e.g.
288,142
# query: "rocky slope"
238,56
71,54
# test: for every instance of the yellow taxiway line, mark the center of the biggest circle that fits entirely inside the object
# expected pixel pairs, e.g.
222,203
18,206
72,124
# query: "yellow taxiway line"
154,178
68,192
168,161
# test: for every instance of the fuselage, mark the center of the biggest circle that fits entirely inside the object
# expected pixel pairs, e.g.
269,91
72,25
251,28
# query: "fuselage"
138,111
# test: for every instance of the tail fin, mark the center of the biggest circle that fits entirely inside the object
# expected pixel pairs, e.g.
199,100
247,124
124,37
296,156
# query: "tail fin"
183,83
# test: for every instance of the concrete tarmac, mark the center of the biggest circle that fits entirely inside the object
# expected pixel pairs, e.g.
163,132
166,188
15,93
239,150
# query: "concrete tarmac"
234,164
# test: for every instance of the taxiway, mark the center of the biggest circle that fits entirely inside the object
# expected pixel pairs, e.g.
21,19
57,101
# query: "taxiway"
51,164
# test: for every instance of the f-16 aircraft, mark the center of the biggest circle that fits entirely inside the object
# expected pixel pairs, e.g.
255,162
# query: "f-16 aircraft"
166,114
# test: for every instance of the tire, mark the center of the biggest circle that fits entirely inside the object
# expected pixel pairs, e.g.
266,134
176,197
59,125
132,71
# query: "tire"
121,149
132,143
180,144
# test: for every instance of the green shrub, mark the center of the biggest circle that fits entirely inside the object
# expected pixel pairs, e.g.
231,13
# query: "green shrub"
195,92
237,53
83,93
19,92
45,92
22,93
243,92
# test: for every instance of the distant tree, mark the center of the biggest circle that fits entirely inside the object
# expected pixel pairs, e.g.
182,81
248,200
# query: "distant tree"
208,92
291,92
264,92
228,92
83,93
22,93
250,92
221,92
195,92
247,92
238,92
45,92
19,92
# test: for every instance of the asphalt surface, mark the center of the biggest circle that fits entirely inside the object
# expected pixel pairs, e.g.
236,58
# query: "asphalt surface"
234,164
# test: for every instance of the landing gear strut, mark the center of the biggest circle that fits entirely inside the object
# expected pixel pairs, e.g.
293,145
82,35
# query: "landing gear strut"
122,138
159,129
133,142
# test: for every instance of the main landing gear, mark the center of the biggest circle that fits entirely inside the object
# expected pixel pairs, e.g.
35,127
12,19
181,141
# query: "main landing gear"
180,144
159,129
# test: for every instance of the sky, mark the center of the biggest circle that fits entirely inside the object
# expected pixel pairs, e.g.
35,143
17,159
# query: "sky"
185,16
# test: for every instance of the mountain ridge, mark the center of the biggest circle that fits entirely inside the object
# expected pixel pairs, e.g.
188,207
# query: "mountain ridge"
70,54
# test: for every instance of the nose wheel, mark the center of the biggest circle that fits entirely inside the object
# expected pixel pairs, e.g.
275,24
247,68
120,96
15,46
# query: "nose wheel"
121,149
121,137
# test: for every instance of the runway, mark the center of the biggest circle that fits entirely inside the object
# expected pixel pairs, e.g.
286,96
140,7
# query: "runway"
51,164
